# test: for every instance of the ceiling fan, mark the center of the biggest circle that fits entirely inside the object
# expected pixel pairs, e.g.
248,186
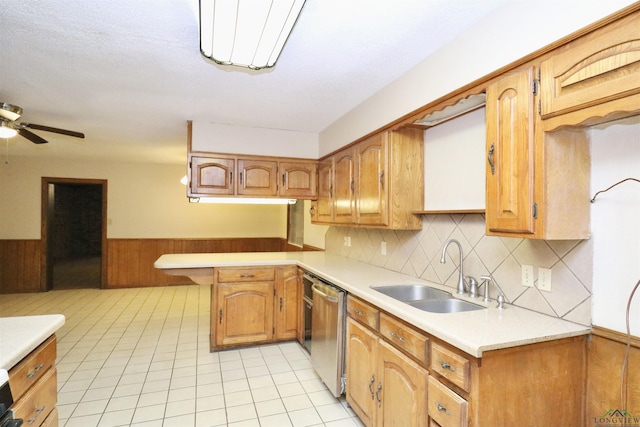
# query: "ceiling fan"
9,127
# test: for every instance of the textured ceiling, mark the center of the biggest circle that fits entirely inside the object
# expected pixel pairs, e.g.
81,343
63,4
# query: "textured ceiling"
129,74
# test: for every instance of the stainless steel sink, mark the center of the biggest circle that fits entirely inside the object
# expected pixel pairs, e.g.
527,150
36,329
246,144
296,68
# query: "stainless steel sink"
408,293
451,305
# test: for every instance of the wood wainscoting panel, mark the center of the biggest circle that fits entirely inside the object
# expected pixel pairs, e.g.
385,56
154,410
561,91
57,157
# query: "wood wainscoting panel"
20,262
130,261
605,356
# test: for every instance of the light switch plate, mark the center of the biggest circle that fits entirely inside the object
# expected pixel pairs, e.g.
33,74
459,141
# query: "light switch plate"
544,279
527,276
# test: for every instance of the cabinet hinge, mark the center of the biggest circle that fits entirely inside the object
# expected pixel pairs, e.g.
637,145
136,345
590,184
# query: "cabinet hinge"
535,210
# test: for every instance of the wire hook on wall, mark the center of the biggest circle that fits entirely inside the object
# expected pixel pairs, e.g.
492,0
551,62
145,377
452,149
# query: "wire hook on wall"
617,183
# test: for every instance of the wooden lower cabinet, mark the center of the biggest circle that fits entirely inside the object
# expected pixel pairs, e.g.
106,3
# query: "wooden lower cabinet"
34,386
398,375
384,386
253,305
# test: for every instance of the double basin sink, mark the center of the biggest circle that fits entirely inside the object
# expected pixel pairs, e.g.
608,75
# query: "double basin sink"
427,299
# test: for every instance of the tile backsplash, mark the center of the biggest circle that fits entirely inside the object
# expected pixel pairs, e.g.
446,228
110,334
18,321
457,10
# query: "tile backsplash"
417,253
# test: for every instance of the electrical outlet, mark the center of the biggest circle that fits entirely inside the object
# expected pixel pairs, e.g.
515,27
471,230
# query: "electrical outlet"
383,248
527,276
544,279
346,241
349,241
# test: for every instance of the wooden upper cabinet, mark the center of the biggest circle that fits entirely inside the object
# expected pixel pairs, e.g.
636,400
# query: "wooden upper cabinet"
510,154
371,182
599,67
257,177
298,179
211,176
378,182
322,208
344,187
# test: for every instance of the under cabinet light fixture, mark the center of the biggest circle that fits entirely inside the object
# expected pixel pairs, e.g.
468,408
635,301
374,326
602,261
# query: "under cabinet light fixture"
463,106
242,200
246,33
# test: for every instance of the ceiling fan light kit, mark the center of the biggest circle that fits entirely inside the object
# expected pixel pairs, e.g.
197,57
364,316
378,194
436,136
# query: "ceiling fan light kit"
246,33
6,131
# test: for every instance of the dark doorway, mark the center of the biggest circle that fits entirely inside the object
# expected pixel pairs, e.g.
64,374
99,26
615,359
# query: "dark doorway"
74,233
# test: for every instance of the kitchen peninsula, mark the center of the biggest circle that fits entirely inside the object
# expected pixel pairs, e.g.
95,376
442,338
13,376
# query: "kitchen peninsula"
484,367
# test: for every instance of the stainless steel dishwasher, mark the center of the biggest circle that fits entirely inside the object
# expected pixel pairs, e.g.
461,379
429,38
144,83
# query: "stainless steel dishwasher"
328,321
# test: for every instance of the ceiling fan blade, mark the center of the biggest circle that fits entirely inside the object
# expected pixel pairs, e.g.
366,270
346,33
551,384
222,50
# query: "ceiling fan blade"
31,136
54,130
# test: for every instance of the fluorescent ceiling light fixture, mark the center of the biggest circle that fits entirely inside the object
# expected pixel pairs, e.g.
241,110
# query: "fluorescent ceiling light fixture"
6,130
242,200
246,33
463,106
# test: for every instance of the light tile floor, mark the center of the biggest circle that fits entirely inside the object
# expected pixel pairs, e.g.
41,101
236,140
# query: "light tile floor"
140,357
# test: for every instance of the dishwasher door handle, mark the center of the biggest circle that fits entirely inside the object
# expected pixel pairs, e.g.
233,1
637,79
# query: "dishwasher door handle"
319,290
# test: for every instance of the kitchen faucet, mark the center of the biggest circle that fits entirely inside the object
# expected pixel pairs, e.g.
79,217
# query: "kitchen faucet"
461,288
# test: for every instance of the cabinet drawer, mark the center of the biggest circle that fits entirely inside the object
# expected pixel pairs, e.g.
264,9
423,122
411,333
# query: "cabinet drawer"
32,368
405,338
246,274
52,419
39,401
450,365
363,313
445,407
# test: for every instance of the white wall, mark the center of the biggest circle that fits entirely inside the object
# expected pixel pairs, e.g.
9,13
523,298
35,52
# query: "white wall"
221,138
615,224
144,201
514,30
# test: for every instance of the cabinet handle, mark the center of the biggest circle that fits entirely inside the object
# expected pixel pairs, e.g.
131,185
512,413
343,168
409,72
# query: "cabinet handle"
382,179
247,276
281,304
283,181
371,381
358,312
220,316
36,415
35,371
442,408
331,190
378,394
353,182
396,336
230,178
490,159
240,178
445,365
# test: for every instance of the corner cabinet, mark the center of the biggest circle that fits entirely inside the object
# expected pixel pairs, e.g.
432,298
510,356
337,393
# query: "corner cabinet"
537,181
376,183
252,305
213,174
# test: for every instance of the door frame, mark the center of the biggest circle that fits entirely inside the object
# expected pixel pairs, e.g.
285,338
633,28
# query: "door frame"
46,266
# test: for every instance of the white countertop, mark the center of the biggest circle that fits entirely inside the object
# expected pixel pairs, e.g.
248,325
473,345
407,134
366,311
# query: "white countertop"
19,336
473,332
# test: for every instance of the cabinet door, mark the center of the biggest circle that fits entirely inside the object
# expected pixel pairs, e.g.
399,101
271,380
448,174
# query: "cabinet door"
510,144
598,67
243,313
402,398
371,181
286,303
211,176
362,381
257,177
344,188
324,206
298,179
